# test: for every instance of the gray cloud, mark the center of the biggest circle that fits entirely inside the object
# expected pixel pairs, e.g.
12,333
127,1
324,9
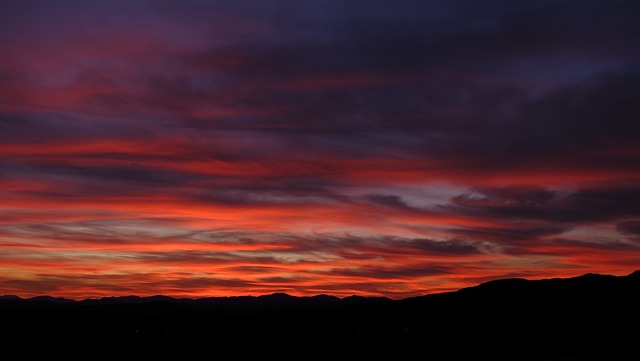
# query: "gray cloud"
583,205
629,227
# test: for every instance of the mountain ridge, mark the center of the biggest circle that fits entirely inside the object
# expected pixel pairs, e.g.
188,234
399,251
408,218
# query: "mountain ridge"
592,317
287,299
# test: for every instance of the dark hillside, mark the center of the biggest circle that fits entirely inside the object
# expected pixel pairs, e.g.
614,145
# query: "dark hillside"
591,317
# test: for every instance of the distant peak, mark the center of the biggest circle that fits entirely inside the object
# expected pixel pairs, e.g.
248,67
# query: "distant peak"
279,294
591,275
635,274
10,297
324,297
51,299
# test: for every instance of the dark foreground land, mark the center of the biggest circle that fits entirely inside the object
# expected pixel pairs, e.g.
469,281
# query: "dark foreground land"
591,317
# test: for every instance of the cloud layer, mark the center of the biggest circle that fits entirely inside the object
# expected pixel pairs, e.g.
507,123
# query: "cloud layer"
204,148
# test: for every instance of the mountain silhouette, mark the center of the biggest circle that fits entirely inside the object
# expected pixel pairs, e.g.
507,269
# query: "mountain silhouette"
589,317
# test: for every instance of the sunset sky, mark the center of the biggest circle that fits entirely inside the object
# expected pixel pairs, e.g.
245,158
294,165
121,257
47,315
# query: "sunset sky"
344,147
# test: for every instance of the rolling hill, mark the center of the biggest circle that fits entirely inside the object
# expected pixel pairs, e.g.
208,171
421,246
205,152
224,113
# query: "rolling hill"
590,317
